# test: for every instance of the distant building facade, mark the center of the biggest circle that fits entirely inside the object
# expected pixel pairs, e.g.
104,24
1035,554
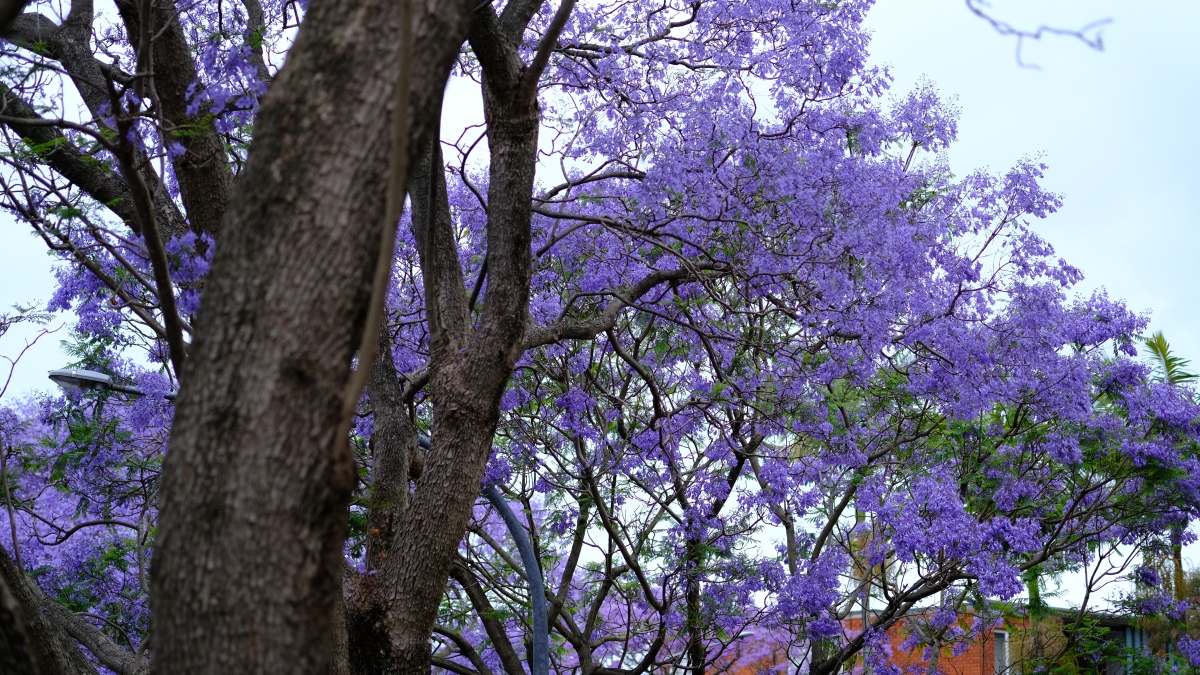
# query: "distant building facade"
1005,650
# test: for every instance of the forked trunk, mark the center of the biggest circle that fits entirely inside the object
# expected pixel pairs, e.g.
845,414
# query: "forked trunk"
247,565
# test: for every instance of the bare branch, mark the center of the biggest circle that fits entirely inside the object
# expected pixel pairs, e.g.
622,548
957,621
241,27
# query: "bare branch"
1089,34
529,80
538,336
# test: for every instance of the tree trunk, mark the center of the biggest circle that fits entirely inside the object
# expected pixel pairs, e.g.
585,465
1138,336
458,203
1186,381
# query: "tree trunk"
1179,580
205,180
17,653
471,356
393,443
470,360
247,565
34,642
339,660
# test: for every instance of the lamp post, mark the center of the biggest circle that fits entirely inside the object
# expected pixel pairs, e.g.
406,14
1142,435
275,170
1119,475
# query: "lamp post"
73,379
540,663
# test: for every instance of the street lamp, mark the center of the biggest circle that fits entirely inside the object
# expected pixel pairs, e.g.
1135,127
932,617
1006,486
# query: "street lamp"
540,664
74,379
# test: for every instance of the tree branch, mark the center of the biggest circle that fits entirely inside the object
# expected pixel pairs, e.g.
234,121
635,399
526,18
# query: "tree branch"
108,653
1089,35
93,177
446,307
143,201
255,25
447,664
529,81
538,336
17,652
466,648
203,171
516,17
9,10
461,573
56,652
501,64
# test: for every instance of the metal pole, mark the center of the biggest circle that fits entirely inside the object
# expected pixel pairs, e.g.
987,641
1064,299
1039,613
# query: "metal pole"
540,664
533,572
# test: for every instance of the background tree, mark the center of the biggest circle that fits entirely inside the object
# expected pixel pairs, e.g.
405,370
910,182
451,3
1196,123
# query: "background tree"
1172,369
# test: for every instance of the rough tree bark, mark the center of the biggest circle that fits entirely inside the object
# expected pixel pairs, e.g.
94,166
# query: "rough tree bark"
17,653
247,564
42,641
393,443
205,181
470,362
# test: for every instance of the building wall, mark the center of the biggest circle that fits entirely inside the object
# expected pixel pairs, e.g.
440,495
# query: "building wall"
978,659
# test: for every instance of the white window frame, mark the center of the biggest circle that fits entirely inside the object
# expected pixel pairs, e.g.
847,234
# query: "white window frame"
1001,661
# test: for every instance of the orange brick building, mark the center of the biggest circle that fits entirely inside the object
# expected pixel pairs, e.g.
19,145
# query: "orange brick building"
999,652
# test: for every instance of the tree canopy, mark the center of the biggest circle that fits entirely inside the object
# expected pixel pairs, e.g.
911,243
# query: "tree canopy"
701,296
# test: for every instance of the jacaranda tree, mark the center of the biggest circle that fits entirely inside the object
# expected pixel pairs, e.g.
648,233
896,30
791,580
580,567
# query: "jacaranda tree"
699,295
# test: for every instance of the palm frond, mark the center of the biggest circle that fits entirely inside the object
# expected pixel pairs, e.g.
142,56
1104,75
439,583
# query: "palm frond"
1168,367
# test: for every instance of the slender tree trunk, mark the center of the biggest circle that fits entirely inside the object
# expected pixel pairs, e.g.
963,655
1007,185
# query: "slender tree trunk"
696,652
339,660
1180,579
471,361
393,442
247,565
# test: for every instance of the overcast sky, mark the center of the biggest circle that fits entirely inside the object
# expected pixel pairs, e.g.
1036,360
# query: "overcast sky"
1118,129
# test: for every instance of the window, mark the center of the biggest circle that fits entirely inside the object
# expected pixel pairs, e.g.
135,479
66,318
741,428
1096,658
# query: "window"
1001,652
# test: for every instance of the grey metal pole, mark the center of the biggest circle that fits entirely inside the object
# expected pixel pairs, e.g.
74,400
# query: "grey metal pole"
537,589
540,664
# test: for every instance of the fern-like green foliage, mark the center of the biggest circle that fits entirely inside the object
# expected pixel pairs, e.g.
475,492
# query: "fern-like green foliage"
23,314
1168,367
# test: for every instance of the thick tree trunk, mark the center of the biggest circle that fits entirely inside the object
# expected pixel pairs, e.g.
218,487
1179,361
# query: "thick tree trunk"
247,565
36,641
17,653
